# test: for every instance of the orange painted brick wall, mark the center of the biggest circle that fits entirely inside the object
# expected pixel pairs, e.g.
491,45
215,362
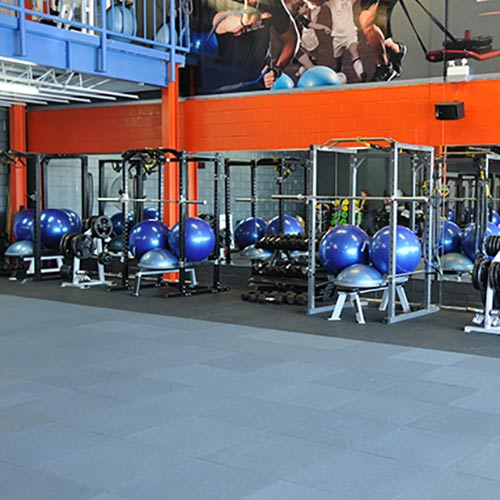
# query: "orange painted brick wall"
107,129
279,121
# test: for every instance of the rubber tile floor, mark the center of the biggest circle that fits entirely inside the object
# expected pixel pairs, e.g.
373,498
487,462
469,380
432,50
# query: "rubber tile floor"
101,404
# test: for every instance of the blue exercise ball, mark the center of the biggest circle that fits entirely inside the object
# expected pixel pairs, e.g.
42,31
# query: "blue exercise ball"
54,224
318,76
117,220
203,43
450,215
408,250
163,35
284,82
449,239
495,217
290,225
147,235
249,231
120,19
468,246
342,247
23,226
150,213
75,219
199,239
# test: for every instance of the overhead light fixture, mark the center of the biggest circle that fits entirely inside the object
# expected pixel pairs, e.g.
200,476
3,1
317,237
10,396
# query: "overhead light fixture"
18,88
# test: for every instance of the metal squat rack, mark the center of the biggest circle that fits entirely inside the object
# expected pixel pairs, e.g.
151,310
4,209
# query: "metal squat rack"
137,162
422,172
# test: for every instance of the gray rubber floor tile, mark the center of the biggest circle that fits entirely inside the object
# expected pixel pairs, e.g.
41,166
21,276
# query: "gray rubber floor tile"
15,419
130,388
432,356
363,476
196,480
107,496
195,436
481,463
464,377
399,367
320,397
361,380
26,484
394,410
265,415
299,339
109,465
460,421
278,455
195,400
422,447
337,429
453,486
282,490
68,405
245,363
16,392
486,400
481,363
45,442
124,420
425,390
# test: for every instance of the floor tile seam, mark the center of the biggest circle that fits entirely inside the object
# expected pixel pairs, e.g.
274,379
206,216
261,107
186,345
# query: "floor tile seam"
470,474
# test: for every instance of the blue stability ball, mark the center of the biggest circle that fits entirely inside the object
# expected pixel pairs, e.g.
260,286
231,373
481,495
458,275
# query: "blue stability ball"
408,250
24,225
284,82
54,224
163,35
199,239
468,246
319,76
147,235
342,247
290,226
249,231
75,219
495,217
449,239
120,19
359,276
202,43
117,220
150,213
450,215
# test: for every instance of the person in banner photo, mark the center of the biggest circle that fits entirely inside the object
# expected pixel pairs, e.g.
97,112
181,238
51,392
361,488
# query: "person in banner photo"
243,32
345,36
375,21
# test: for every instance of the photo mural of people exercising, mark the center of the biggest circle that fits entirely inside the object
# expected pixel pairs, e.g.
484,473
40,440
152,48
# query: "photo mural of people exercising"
243,32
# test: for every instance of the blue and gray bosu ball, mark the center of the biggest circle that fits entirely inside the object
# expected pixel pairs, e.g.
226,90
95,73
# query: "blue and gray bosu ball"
157,259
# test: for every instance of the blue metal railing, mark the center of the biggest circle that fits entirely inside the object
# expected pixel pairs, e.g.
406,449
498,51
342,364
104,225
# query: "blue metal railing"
162,25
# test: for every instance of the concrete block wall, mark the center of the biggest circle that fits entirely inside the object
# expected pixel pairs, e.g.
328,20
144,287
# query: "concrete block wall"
65,187
266,186
4,144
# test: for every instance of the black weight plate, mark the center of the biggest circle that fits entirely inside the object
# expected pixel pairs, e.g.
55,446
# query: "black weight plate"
82,246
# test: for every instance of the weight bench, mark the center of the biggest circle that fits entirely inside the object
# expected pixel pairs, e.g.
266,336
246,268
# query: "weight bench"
353,295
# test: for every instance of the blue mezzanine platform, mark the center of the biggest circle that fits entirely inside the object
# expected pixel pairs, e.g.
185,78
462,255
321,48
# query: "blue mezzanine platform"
110,49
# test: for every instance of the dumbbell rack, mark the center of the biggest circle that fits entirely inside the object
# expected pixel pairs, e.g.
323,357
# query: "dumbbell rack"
486,278
283,278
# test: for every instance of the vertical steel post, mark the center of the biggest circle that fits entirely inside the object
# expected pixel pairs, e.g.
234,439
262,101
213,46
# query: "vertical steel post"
311,192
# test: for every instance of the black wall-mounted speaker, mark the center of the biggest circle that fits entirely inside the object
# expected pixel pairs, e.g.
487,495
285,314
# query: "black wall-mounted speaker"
449,110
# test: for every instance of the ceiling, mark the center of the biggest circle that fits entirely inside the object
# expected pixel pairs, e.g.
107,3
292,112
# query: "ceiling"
25,83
